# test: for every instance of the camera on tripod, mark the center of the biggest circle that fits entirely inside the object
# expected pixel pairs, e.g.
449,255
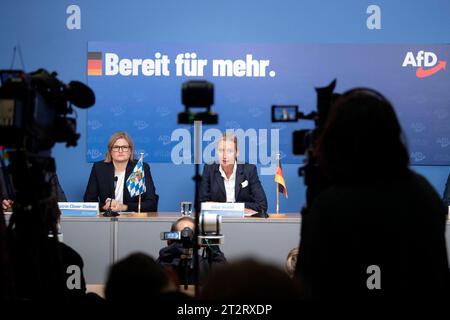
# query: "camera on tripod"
186,236
210,232
304,141
34,109
197,95
34,115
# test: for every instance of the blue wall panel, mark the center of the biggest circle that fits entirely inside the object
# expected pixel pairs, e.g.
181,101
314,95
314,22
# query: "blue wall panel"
40,29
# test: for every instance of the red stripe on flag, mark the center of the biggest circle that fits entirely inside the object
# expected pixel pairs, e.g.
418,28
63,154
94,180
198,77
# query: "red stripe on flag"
95,64
279,179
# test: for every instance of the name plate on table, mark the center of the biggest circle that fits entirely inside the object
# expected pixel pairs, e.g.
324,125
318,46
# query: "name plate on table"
78,209
224,209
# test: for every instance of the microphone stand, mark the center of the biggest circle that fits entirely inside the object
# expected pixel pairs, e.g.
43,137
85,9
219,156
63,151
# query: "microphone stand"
197,179
109,212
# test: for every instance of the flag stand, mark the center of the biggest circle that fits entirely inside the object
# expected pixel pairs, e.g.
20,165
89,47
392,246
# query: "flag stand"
278,198
139,203
277,213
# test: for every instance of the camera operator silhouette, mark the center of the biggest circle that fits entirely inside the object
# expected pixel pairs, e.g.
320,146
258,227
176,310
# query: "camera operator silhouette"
177,256
376,212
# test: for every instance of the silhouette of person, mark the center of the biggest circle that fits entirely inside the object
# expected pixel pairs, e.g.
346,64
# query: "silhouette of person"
377,214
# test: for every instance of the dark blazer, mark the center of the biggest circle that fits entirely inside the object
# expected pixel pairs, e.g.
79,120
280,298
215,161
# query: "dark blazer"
212,187
101,186
50,177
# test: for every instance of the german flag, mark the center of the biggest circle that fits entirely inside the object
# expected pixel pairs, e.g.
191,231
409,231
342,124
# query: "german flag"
94,64
279,179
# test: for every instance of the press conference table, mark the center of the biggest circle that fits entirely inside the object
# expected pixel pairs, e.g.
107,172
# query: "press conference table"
104,240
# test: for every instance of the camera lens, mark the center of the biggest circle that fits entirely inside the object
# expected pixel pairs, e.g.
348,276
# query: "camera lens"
187,233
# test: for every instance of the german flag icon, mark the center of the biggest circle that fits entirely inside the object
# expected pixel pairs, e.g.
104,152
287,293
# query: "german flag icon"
94,64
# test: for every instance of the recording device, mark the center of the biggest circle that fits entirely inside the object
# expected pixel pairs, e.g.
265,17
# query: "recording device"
35,113
34,109
182,243
284,113
197,94
261,214
209,234
109,212
184,252
304,141
185,235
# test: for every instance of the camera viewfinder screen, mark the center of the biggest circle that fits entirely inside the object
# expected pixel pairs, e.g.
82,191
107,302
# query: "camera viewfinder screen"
172,235
10,74
284,113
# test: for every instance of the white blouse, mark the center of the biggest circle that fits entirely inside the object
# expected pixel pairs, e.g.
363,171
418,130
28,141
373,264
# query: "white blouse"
119,187
229,183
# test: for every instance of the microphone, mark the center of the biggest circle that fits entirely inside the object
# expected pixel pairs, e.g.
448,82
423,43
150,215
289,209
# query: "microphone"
115,186
109,212
261,214
80,94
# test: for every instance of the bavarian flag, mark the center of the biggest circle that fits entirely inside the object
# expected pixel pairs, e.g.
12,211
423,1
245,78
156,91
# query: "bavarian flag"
136,180
279,179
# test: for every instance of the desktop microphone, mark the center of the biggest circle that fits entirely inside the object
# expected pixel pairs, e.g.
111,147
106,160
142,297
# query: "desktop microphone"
109,212
261,214
115,185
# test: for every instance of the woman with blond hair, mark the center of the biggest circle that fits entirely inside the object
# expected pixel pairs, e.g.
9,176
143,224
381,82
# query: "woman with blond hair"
230,181
107,182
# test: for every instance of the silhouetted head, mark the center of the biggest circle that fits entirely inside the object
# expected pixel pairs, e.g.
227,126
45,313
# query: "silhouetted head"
362,140
180,224
135,278
249,280
291,262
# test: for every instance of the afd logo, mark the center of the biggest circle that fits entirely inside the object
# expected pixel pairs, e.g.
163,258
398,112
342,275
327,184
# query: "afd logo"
423,59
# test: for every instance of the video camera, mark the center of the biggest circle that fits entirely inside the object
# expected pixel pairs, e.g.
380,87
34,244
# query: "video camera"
210,232
304,141
186,236
34,109
197,94
34,115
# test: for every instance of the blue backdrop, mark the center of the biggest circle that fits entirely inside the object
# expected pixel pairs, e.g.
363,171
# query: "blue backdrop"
146,104
41,29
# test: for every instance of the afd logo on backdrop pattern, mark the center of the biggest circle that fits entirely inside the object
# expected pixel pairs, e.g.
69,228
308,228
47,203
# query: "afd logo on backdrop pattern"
422,60
138,85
